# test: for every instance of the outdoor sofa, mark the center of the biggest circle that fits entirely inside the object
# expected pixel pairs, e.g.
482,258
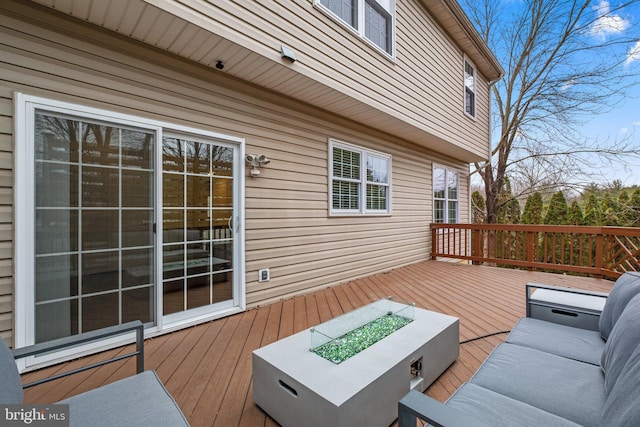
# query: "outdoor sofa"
138,400
552,374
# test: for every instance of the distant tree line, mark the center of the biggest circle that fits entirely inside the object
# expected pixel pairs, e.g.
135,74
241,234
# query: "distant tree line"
612,205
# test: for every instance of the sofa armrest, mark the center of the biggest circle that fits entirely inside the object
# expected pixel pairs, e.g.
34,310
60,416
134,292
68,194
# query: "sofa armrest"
577,308
84,338
577,298
415,405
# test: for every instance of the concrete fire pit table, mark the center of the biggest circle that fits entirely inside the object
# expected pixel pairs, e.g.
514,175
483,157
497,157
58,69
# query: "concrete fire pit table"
298,387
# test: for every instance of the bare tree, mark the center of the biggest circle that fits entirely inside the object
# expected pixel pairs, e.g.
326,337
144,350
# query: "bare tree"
564,62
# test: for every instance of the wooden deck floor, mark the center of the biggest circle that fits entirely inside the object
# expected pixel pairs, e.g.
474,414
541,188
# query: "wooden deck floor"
207,368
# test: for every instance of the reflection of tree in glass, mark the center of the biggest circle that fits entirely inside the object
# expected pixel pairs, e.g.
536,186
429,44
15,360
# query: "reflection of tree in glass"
137,148
377,169
59,138
221,160
202,158
56,138
172,153
96,142
198,157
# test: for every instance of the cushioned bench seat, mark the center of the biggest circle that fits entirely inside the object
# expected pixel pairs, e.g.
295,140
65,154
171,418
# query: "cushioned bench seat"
497,410
551,374
567,388
139,400
573,343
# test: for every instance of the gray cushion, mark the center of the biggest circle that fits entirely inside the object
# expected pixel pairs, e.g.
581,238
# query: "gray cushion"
626,287
566,341
10,383
140,400
622,408
564,387
622,342
497,410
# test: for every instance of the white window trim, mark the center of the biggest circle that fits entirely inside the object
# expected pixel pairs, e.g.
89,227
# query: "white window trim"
24,237
363,181
361,25
464,88
446,194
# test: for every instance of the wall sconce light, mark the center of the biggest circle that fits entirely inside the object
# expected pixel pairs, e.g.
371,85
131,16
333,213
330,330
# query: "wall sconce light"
287,53
256,162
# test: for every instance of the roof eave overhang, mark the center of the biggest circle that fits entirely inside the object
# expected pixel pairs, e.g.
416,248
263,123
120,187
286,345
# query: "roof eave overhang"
456,23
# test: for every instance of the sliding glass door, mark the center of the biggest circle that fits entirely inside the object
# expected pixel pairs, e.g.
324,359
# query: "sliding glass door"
122,218
198,225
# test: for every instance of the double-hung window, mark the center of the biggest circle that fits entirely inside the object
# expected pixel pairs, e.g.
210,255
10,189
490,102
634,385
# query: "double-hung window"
360,180
344,9
445,195
469,89
371,19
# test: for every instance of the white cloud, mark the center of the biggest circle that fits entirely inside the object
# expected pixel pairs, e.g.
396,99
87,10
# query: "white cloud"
607,23
624,130
633,54
567,85
636,123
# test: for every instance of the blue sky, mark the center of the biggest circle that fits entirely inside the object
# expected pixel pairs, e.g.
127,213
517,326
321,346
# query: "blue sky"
624,120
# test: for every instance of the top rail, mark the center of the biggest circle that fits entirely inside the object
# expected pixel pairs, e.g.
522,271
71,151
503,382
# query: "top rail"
597,251
87,337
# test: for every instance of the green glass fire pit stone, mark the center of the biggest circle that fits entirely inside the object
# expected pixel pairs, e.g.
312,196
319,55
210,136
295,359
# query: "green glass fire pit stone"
352,343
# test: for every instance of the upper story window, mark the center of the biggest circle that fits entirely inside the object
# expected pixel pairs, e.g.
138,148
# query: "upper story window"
469,88
445,195
371,19
344,9
360,180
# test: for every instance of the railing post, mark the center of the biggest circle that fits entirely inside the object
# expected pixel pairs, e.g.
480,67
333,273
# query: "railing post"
599,254
530,248
434,242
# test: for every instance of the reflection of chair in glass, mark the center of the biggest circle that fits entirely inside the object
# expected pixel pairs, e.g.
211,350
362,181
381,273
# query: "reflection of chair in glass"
200,266
173,255
222,248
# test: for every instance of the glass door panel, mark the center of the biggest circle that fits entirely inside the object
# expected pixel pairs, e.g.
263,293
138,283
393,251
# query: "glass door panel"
94,210
198,235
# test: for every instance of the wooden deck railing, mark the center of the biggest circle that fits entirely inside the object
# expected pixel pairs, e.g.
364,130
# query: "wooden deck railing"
596,251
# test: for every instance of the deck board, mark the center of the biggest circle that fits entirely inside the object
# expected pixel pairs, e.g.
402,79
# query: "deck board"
207,368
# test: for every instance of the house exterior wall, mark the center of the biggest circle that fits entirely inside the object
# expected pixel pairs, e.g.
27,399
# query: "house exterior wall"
422,83
6,214
288,227
420,86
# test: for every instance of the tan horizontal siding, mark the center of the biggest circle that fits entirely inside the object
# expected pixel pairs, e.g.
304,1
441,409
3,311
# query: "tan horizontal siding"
6,214
421,85
288,228
312,239
428,56
6,309
6,139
